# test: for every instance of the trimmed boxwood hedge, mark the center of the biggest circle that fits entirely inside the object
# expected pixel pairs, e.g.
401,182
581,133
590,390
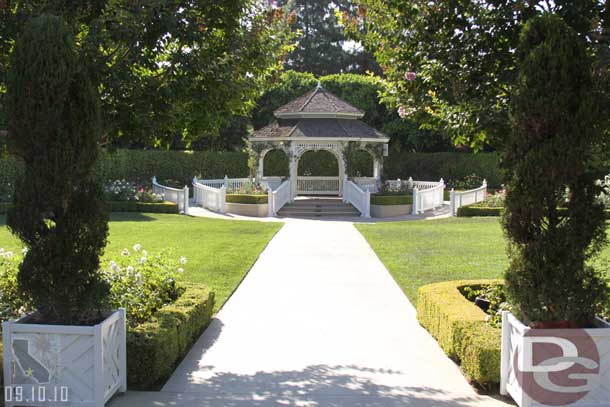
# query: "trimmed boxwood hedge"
470,211
247,199
459,327
155,348
134,206
391,199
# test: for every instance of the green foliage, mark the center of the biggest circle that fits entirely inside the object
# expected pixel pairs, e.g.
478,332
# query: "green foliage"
321,47
320,163
276,164
556,125
144,207
13,303
142,282
247,199
434,166
59,213
470,181
377,199
474,211
10,170
495,294
463,55
459,327
4,207
166,69
156,346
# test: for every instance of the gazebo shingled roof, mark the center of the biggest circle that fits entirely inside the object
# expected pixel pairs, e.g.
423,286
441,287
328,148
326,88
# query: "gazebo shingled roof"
318,101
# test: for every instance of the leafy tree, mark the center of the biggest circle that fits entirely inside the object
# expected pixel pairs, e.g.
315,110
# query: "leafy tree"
556,123
322,47
58,213
455,60
167,68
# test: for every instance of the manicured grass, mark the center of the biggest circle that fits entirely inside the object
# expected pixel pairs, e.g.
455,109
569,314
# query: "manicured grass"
219,252
428,251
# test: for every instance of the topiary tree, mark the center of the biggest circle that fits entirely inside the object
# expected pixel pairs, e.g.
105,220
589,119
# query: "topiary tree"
553,223
58,206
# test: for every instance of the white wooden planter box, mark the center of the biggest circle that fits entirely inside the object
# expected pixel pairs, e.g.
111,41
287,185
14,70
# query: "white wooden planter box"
61,365
390,211
256,210
539,386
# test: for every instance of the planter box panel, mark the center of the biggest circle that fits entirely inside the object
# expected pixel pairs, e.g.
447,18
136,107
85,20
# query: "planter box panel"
87,361
390,211
513,342
256,210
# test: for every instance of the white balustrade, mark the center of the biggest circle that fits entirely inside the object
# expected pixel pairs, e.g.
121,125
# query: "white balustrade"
463,198
369,183
210,197
279,197
318,185
427,195
358,197
175,195
230,184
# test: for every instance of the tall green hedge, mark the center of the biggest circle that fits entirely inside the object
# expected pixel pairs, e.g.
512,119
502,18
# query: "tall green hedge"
141,165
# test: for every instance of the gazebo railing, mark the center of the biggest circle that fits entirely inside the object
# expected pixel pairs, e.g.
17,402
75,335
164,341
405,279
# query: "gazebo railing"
358,197
463,198
210,197
279,197
178,196
429,198
318,185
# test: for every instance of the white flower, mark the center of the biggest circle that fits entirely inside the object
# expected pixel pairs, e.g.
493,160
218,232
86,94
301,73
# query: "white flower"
8,255
180,270
24,250
182,260
144,253
137,247
125,252
130,269
113,265
143,260
1,250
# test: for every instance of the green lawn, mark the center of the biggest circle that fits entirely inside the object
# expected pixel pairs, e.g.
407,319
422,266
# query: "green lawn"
428,251
219,252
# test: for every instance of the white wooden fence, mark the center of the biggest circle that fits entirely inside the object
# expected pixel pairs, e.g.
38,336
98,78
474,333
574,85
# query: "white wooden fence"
175,195
318,185
279,197
230,184
427,195
358,197
210,197
463,198
369,183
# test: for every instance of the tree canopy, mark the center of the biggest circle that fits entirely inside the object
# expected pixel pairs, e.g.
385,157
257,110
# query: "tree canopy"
165,68
456,60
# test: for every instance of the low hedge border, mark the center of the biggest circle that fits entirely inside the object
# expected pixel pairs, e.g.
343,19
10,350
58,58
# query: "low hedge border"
155,348
134,206
391,199
459,327
471,211
247,199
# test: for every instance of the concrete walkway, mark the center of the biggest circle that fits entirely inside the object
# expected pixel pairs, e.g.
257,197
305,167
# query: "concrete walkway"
318,321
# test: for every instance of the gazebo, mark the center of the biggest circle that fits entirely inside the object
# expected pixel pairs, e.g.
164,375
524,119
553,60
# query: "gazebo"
319,120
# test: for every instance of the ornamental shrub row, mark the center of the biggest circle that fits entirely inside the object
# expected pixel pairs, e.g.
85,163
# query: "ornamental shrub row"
182,166
134,206
247,199
391,199
459,327
471,210
154,348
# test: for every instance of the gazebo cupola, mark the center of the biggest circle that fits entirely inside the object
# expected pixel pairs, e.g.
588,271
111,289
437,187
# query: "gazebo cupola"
318,120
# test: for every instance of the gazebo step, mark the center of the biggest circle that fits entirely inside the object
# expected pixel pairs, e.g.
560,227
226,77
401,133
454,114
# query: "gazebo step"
318,208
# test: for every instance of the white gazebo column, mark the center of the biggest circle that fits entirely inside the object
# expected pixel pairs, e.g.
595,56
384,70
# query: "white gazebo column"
341,165
377,168
260,167
293,169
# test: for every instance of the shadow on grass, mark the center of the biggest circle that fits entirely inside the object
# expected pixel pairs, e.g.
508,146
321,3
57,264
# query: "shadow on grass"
130,217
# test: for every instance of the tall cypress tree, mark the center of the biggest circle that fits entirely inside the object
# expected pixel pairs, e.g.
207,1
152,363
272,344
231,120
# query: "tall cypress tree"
58,206
552,220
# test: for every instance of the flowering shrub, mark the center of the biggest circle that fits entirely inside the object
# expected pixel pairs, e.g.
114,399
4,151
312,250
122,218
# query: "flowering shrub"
249,188
139,282
494,200
147,196
120,190
396,187
495,299
142,283
604,197
468,182
12,303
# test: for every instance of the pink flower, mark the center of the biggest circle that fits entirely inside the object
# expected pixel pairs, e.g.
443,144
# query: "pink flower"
410,76
402,112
